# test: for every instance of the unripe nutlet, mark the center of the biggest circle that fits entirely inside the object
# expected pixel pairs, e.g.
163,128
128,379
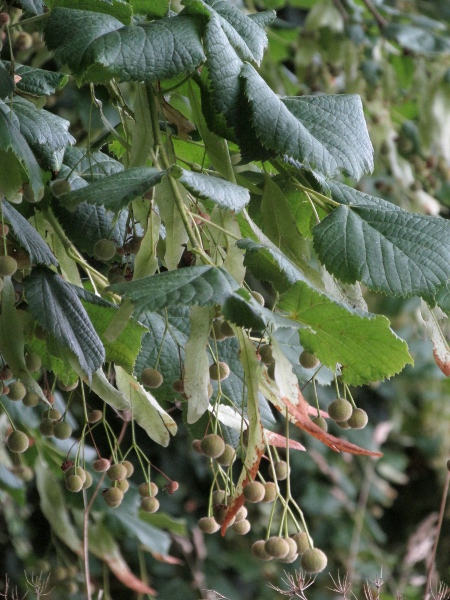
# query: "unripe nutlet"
151,378
17,442
359,419
208,525
219,371
313,560
212,445
308,360
340,410
254,492
149,505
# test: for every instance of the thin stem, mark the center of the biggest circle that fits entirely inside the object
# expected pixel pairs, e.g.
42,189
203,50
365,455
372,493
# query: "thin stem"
438,533
341,8
381,21
87,577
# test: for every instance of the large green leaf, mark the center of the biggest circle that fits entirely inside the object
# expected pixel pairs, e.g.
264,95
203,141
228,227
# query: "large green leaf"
6,82
223,193
116,191
383,246
12,139
98,47
37,82
46,133
28,238
363,344
57,308
202,285
325,133
125,348
91,166
116,8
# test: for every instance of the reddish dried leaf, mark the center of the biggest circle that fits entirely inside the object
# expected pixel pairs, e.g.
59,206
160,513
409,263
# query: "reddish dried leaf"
120,569
279,441
442,361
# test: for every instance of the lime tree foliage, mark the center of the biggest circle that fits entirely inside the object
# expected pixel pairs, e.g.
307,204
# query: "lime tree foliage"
189,259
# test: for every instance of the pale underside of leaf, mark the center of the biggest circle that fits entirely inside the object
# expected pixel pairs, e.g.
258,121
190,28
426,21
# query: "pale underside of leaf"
196,363
146,410
441,349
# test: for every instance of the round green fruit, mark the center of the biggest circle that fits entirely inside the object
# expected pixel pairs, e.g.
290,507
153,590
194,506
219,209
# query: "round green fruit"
259,550
308,360
301,539
265,352
178,386
78,471
17,391
46,427
320,422
219,371
151,378
228,456
74,483
33,362
67,388
340,410
313,560
17,442
208,525
60,187
88,481
343,424
279,471
270,492
8,266
129,467
149,505
148,489
30,399
359,419
241,514
94,416
116,472
218,497
197,446
220,514
241,527
104,250
113,497
254,492
277,547
62,430
123,485
212,445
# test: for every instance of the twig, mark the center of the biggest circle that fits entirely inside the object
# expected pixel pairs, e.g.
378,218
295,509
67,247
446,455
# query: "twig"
381,21
427,592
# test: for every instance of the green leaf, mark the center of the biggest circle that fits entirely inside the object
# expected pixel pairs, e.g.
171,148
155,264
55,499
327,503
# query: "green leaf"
34,7
92,166
279,224
37,82
176,234
54,508
116,8
12,139
363,344
116,191
325,133
10,176
100,385
97,47
46,133
56,307
146,410
202,285
162,520
154,8
6,82
223,193
196,364
269,264
418,39
125,348
383,246
166,340
27,236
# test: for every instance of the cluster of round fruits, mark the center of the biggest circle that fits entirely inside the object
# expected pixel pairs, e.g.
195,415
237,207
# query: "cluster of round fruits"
213,446
117,473
288,549
346,415
52,425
